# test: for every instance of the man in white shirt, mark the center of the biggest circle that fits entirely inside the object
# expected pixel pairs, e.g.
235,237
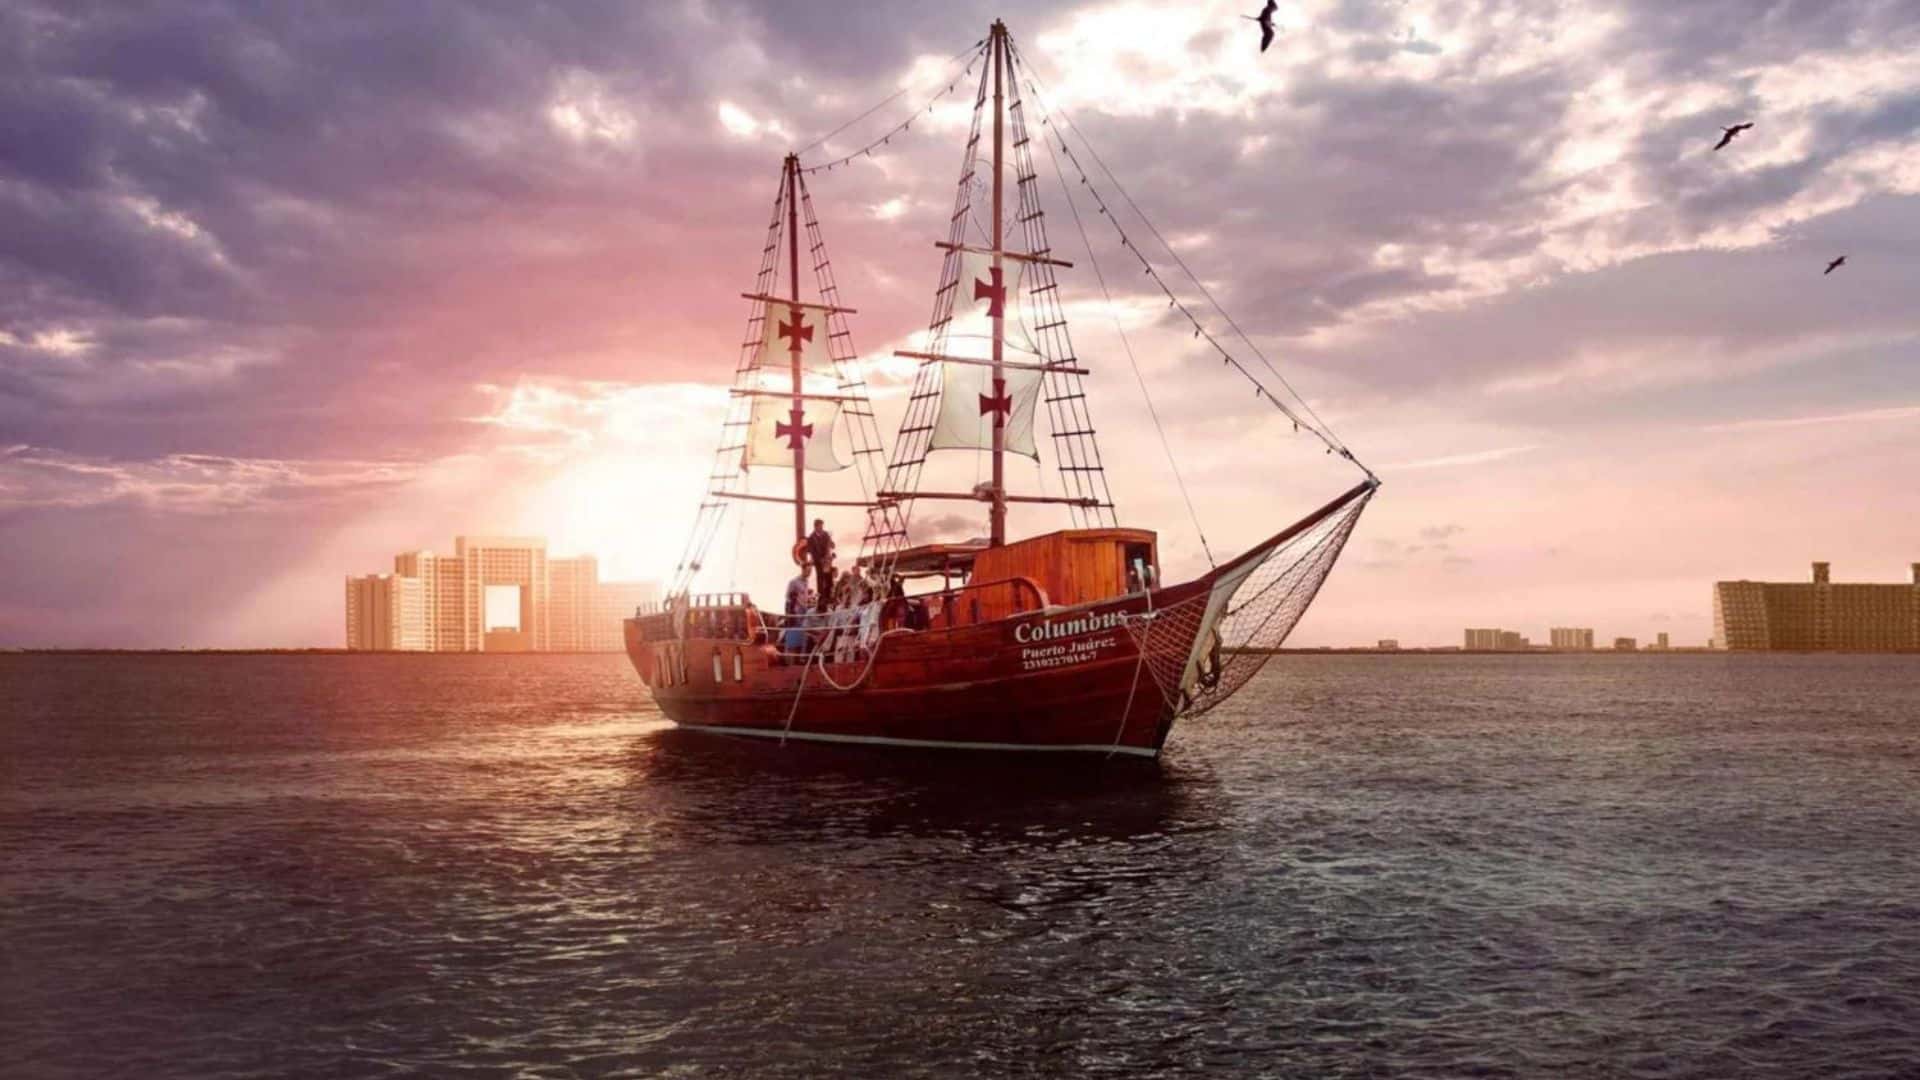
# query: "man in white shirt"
793,639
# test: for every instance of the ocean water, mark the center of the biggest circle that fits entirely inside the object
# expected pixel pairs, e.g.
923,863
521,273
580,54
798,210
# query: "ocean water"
1655,866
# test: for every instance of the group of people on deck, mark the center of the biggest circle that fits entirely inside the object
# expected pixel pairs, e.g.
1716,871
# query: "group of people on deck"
828,612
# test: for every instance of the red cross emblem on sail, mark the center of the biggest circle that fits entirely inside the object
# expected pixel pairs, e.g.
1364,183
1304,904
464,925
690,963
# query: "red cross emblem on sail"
796,331
796,433
999,403
994,294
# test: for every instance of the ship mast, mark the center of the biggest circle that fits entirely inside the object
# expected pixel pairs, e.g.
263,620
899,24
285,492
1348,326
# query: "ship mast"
798,415
997,511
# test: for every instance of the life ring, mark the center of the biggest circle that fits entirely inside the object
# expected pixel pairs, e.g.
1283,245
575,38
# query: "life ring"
800,553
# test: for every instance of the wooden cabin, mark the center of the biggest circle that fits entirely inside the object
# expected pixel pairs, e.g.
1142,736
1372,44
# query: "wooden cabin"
1056,569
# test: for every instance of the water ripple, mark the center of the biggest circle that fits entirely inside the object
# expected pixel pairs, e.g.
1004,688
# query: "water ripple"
382,866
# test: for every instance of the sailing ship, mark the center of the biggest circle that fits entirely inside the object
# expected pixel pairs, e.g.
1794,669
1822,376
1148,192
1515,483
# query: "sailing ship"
1065,641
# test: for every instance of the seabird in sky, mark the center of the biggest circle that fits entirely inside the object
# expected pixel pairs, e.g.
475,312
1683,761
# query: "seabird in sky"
1730,133
1265,19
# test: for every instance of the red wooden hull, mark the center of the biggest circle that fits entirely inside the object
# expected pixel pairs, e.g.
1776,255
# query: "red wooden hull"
1063,680
1052,679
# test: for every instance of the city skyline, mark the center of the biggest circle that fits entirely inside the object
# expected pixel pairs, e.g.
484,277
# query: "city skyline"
1594,360
447,603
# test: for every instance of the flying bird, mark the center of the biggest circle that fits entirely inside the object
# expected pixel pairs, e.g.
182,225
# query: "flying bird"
1265,19
1834,265
1730,133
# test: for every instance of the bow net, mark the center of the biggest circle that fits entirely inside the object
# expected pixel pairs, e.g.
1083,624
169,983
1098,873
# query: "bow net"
1259,613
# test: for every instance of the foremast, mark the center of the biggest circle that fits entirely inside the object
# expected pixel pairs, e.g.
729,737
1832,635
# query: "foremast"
808,348
796,418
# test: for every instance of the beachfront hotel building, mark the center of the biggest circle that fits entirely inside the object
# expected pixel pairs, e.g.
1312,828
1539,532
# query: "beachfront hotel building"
1817,615
1571,638
386,612
438,603
1492,639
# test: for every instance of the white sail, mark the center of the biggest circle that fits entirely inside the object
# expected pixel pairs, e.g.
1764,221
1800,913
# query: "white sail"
970,333
772,435
968,402
784,325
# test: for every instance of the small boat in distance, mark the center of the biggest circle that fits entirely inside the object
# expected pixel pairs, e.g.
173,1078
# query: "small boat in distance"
1064,641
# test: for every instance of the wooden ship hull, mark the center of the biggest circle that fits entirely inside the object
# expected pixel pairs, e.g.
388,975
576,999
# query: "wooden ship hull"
987,686
999,666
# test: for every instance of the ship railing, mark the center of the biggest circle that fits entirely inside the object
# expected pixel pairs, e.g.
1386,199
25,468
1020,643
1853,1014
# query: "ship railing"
970,604
727,616
845,633
842,635
692,601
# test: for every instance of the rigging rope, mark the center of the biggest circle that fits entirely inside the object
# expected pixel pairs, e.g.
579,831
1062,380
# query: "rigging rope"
1312,421
1127,346
972,53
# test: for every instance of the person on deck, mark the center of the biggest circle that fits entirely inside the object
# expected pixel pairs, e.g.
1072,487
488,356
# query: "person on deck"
793,639
820,551
838,641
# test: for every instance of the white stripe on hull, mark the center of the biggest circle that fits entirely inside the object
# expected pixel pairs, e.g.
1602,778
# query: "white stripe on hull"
935,744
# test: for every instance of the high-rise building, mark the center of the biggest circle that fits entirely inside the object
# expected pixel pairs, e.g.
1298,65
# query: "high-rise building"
451,633
1662,641
439,602
386,612
1817,615
575,583
1482,640
1625,644
1571,638
500,561
421,566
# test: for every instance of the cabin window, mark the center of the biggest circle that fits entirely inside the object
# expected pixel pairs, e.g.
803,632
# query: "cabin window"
717,677
1141,573
739,666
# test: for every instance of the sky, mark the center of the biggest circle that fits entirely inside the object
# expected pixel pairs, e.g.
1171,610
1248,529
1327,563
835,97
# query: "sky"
287,288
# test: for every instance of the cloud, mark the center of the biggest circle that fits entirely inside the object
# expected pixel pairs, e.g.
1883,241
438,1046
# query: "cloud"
934,528
1899,412
35,478
1452,461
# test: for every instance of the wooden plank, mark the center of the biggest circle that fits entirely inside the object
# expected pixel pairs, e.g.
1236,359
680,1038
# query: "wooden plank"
968,496
784,302
790,394
789,499
1017,365
1016,256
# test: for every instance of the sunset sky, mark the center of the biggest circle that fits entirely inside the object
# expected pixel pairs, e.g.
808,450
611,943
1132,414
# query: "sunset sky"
287,288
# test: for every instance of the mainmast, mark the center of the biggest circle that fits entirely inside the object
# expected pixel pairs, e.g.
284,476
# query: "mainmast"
998,404
969,394
798,415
